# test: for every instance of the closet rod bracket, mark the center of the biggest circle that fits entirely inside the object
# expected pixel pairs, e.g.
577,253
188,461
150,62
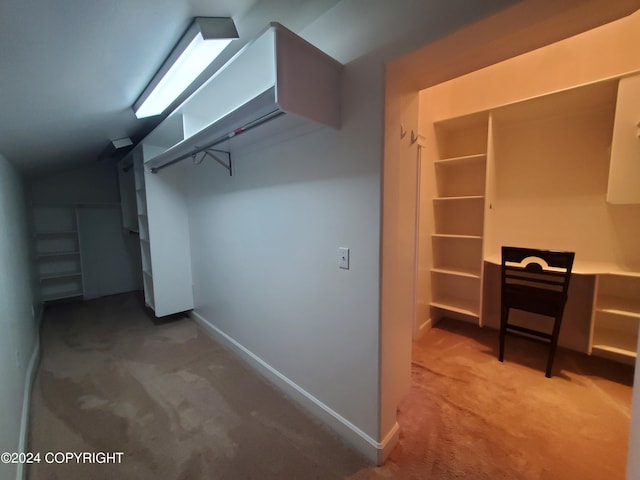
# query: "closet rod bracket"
215,154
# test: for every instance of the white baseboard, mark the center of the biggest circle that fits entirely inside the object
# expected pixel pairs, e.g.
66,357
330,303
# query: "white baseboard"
26,396
422,329
374,451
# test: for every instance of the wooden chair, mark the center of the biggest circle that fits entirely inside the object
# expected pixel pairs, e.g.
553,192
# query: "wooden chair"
534,281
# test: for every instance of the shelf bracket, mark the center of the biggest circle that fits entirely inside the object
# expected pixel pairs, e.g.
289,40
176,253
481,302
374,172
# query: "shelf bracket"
215,154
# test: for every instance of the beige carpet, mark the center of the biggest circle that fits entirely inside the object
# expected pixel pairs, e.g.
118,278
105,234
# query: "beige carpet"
181,407
469,416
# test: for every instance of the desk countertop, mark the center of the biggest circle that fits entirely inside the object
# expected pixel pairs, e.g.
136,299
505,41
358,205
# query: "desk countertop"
582,267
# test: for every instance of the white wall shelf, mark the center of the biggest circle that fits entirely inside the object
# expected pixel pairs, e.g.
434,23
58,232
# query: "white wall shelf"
276,73
57,252
458,236
450,270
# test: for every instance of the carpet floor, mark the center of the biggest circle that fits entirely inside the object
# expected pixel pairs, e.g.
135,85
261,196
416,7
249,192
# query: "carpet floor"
179,406
470,416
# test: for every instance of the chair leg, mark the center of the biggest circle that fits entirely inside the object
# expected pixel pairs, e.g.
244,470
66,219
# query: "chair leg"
554,343
504,315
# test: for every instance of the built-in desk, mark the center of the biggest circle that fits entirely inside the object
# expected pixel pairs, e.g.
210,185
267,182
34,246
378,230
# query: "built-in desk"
602,314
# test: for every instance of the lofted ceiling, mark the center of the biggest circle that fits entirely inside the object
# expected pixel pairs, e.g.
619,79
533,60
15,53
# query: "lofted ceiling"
70,71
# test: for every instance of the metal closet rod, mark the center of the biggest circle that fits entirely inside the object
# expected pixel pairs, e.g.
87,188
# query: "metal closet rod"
227,136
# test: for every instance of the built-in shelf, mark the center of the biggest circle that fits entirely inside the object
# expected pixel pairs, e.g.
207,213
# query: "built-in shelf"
608,351
463,198
57,254
462,272
60,276
628,307
54,233
456,305
57,251
463,160
456,188
616,316
464,237
49,298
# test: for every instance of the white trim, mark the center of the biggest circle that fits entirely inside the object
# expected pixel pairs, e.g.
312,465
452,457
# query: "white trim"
388,443
374,451
26,396
422,329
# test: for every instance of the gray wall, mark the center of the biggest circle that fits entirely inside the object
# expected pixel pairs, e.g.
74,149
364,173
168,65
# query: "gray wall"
265,242
17,318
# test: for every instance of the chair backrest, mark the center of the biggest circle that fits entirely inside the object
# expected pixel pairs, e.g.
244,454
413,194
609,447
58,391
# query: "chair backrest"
539,270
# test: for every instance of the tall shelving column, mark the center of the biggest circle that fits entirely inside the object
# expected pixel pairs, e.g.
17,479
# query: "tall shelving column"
458,217
143,228
57,248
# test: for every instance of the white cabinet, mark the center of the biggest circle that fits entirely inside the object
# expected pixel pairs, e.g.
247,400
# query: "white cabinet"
624,169
57,250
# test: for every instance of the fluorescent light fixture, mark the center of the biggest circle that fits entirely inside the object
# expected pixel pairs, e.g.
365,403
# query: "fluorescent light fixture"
205,39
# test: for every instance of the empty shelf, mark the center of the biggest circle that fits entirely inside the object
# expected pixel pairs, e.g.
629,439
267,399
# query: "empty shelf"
459,271
467,159
457,305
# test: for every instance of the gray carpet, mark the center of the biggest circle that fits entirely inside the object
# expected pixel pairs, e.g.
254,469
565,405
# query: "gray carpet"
177,404
181,407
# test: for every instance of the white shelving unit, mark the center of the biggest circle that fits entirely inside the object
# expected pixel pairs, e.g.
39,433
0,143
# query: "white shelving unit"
458,203
57,249
126,182
143,228
164,231
616,317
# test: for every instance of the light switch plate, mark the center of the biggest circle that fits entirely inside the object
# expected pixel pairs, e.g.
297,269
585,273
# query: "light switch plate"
343,258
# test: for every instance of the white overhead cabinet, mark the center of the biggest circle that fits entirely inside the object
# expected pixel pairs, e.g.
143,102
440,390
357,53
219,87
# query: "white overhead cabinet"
278,77
624,171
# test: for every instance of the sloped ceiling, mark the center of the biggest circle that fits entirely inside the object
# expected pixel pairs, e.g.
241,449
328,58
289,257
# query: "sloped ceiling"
71,69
